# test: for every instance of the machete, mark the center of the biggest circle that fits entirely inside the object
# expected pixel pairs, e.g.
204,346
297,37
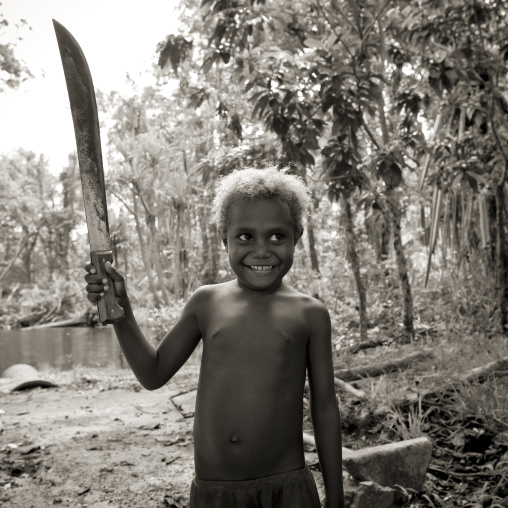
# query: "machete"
86,128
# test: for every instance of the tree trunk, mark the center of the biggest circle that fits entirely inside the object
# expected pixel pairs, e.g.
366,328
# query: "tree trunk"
180,253
21,244
400,257
69,177
27,255
215,243
177,267
154,251
312,244
352,255
144,253
126,261
205,249
185,232
501,275
379,369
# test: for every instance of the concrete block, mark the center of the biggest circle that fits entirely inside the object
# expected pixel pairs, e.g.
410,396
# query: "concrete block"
367,495
404,463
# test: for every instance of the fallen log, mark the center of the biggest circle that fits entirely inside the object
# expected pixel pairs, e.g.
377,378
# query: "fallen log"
367,345
383,368
31,319
355,392
359,394
50,314
81,320
496,368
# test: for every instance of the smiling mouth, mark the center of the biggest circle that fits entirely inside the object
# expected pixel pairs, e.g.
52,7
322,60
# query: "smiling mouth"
261,268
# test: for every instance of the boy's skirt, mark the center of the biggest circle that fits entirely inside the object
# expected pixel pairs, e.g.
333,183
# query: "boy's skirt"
295,489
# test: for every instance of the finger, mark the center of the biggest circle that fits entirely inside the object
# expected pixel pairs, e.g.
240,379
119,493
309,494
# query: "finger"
93,279
96,288
94,297
90,268
113,272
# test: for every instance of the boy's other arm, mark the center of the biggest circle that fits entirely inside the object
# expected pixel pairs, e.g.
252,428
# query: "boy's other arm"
323,404
153,367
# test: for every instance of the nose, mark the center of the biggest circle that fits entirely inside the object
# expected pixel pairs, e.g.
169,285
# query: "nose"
261,250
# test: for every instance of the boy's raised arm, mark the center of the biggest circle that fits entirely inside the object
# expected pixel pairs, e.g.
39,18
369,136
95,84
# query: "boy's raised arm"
153,367
324,408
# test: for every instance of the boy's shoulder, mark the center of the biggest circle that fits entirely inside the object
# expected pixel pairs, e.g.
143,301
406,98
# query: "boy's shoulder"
304,299
203,294
300,302
307,306
312,312
213,289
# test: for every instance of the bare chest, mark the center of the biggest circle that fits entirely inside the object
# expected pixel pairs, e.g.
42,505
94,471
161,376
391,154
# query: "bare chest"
256,326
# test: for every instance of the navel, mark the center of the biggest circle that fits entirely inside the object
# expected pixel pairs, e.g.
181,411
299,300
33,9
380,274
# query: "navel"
234,438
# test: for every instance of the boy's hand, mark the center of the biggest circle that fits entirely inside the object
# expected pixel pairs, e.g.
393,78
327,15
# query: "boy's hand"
96,286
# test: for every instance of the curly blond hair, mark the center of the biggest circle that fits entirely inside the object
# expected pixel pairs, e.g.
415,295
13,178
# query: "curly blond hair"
253,184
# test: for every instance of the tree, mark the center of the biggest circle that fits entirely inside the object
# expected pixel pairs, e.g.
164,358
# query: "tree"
12,71
316,77
463,47
26,213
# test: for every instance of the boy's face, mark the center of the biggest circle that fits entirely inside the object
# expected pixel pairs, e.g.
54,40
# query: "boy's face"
260,243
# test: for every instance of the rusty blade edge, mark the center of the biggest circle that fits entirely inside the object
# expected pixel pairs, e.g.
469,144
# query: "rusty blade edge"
86,128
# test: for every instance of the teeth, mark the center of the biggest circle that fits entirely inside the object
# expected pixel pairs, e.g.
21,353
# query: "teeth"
262,267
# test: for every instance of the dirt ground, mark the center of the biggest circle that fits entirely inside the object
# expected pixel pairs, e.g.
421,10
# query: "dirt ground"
97,440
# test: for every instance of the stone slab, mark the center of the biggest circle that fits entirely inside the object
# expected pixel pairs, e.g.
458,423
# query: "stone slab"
367,495
404,463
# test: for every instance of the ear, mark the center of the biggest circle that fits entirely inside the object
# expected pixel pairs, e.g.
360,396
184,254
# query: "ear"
298,235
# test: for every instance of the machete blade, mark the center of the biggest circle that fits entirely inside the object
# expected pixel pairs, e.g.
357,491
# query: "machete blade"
86,129
88,142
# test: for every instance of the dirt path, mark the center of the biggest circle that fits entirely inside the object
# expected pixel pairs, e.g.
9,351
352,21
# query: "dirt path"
98,442
88,445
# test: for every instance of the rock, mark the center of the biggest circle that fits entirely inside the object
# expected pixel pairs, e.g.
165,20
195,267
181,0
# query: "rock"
21,377
404,463
367,495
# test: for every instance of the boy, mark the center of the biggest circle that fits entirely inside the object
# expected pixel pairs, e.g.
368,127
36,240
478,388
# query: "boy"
260,337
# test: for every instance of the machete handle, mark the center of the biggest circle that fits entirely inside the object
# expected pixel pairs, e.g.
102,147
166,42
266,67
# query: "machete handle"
109,310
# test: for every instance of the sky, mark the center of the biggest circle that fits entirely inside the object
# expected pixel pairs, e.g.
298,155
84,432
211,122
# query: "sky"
117,38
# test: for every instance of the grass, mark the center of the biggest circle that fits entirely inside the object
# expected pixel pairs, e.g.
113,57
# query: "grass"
408,425
485,403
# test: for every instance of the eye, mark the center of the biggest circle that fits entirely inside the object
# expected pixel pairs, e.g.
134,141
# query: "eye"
244,237
277,237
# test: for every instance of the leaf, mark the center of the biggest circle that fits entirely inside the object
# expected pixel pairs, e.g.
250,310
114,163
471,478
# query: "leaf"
391,173
446,225
208,62
313,43
477,177
337,127
259,108
225,55
437,201
423,225
484,221
437,124
467,211
455,236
